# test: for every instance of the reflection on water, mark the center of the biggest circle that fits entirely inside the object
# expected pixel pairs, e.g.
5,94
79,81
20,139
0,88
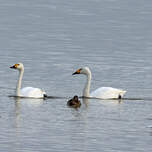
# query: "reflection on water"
52,38
17,111
86,102
29,101
19,102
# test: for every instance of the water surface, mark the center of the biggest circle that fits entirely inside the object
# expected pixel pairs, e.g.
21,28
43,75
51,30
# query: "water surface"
54,38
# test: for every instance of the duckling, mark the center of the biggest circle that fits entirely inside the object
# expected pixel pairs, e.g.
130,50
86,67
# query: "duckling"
74,102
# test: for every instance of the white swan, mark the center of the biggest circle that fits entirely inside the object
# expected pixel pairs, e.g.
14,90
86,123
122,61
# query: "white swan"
29,92
103,92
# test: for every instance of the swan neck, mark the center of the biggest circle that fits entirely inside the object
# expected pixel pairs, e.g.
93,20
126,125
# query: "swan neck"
19,83
86,91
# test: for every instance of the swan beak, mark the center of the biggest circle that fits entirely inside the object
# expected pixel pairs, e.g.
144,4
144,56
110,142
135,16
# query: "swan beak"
13,67
74,73
77,72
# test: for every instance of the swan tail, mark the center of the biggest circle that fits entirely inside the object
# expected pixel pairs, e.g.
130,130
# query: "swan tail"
44,94
122,93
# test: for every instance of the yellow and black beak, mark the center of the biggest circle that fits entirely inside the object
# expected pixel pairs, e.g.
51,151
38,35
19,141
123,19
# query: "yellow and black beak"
77,72
14,66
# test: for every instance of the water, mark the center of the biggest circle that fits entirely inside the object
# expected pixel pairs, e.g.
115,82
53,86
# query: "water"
53,39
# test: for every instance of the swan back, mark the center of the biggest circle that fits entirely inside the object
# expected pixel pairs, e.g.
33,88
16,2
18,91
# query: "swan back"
107,93
32,92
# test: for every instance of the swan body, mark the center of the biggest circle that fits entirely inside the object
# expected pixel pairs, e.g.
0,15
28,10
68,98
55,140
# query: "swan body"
107,93
32,92
103,92
28,92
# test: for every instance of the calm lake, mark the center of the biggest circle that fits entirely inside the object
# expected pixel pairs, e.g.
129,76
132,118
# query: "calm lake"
53,38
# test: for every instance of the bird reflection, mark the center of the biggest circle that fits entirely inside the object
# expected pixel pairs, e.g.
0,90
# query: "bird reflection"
22,101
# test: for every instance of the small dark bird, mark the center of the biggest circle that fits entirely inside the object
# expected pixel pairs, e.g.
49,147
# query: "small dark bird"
74,102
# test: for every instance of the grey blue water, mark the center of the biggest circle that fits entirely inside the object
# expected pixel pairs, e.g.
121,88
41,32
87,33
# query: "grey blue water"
53,38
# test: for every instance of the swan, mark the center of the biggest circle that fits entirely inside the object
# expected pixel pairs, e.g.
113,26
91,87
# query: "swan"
103,92
28,92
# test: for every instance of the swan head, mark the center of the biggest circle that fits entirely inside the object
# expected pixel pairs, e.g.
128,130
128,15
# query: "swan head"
84,70
18,66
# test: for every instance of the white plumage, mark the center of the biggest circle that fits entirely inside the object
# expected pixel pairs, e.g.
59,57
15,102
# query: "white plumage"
32,92
28,92
103,92
107,93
